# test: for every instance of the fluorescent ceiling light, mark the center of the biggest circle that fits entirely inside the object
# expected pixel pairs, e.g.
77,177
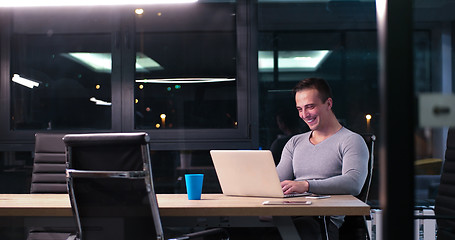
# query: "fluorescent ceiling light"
186,80
102,62
24,82
145,64
100,102
98,62
292,60
60,3
304,1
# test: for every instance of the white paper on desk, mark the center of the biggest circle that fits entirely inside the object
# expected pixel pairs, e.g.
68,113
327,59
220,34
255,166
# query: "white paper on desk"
286,202
316,196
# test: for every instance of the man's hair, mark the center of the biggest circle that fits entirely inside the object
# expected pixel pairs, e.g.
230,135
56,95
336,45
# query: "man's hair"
319,84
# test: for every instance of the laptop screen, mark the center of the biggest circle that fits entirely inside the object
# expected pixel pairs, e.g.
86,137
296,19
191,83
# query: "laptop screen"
247,173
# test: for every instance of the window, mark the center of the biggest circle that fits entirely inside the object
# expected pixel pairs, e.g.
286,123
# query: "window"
179,72
72,81
191,82
336,41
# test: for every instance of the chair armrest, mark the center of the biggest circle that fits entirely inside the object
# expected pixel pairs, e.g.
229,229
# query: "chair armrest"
105,174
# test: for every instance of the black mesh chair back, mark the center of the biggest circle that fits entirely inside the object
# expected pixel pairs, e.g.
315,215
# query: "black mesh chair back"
110,181
355,227
109,177
445,199
49,164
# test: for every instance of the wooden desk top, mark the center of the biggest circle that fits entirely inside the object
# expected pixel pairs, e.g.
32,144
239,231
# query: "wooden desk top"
221,205
178,205
55,205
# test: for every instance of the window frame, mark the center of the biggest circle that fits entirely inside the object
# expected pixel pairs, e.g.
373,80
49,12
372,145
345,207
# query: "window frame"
122,32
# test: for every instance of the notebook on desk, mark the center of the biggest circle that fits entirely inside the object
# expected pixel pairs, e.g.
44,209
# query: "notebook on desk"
248,173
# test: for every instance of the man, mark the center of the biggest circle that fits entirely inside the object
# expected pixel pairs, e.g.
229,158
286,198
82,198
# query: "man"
329,159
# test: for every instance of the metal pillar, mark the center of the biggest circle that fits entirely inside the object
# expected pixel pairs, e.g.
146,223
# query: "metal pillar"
396,139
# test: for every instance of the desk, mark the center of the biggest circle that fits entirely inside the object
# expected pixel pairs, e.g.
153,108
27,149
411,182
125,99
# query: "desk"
221,205
211,205
35,205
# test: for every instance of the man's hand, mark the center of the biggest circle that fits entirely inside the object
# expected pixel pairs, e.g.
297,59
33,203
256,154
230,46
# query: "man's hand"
294,186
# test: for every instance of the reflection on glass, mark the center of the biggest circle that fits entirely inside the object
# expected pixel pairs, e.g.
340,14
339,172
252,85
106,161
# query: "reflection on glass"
24,81
61,93
102,62
196,105
301,39
292,60
194,82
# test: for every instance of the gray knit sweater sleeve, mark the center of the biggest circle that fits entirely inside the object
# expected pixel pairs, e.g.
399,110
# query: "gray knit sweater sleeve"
337,165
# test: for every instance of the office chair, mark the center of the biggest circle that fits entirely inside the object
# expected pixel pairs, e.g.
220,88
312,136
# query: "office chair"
111,189
48,176
445,199
355,227
49,164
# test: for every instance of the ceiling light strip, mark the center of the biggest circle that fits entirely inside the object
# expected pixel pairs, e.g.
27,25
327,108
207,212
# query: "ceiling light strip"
60,3
186,80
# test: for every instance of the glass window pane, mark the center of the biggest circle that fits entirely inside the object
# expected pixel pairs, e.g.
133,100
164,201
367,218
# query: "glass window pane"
433,67
333,40
72,77
186,70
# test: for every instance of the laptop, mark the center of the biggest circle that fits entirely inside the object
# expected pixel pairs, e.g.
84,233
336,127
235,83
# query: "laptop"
248,173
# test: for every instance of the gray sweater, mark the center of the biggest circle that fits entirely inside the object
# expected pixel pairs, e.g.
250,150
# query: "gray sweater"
337,165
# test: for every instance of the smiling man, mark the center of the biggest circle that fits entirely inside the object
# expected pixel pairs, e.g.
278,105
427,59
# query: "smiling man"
329,159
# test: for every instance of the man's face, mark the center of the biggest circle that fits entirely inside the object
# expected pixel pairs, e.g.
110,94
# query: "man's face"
311,108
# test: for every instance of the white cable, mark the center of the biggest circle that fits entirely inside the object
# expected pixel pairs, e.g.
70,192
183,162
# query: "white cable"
325,227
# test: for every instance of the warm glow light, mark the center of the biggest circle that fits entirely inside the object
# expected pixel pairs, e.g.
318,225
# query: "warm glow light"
60,3
368,117
141,86
139,11
163,119
98,86
157,125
